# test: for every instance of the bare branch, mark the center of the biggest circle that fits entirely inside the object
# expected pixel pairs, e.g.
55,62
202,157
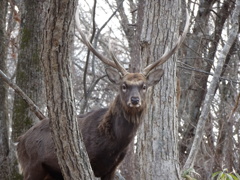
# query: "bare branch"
104,59
88,52
101,28
34,108
190,68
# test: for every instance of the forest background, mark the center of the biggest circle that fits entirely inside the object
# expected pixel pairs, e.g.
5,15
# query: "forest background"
193,119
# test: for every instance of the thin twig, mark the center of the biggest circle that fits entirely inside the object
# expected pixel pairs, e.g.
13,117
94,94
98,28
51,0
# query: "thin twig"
88,90
88,52
190,68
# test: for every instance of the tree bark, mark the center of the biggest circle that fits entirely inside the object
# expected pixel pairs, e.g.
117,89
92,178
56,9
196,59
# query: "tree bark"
157,140
29,75
132,33
4,135
57,40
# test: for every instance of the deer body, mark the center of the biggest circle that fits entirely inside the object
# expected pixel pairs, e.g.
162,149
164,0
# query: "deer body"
37,153
106,132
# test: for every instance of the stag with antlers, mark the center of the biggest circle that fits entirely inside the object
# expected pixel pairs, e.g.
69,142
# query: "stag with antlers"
106,132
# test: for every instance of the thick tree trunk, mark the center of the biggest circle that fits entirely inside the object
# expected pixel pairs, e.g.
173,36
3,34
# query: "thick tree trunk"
57,40
29,75
157,142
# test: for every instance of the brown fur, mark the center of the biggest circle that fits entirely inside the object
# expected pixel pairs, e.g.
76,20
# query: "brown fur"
134,78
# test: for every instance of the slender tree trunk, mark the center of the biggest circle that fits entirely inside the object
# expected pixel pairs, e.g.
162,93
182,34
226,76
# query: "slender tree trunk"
157,143
132,34
56,54
29,75
4,144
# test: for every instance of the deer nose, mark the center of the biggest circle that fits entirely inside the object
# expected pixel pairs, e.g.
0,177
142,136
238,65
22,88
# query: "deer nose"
134,100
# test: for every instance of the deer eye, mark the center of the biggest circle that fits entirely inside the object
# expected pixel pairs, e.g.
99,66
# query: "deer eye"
144,87
124,88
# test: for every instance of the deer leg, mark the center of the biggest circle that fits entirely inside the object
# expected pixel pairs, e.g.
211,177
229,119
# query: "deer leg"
49,177
111,174
54,173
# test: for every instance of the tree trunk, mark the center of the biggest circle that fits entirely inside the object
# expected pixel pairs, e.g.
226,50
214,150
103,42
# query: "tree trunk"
57,40
132,34
157,143
29,75
4,144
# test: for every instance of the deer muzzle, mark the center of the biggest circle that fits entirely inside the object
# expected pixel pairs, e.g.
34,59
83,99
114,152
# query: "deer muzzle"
134,102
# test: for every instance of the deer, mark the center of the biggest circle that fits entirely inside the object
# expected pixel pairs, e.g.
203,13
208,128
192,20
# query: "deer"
106,132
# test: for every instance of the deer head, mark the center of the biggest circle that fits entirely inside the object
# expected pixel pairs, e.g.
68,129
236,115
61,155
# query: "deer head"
135,83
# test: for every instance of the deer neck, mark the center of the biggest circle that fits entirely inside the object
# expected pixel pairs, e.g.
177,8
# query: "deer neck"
121,122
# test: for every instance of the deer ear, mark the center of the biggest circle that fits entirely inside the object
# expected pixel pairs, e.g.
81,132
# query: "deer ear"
154,77
113,75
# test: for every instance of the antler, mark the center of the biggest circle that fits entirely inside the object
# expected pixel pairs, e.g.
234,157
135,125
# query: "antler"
104,59
167,54
119,66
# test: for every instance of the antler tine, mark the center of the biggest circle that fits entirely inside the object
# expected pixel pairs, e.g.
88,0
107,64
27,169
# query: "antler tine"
104,59
119,66
167,54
